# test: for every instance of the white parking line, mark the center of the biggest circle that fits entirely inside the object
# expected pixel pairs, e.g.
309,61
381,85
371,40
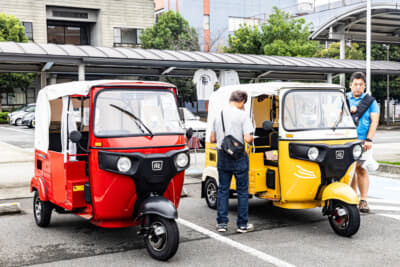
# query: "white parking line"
392,188
388,208
397,217
17,130
385,201
261,255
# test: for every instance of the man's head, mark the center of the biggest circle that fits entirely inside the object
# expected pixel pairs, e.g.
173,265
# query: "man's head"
238,98
357,84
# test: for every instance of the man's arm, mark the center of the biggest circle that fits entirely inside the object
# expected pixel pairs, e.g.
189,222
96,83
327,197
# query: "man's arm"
372,129
213,138
248,138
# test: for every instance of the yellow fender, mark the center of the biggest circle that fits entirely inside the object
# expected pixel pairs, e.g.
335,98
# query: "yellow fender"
341,192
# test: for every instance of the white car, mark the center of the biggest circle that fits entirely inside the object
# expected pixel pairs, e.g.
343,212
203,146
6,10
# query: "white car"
191,121
15,117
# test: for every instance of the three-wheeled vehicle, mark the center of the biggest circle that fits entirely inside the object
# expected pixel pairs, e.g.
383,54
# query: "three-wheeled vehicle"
304,151
114,153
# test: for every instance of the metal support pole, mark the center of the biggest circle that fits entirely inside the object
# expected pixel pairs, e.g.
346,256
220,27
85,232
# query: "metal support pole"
329,78
342,56
368,44
387,88
81,72
43,79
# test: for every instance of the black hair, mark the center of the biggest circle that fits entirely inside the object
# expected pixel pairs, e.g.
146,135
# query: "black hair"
238,96
357,75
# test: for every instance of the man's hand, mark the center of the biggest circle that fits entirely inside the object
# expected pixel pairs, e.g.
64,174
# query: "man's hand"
367,145
213,138
353,109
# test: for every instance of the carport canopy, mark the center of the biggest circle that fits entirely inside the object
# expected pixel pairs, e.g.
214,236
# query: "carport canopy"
106,61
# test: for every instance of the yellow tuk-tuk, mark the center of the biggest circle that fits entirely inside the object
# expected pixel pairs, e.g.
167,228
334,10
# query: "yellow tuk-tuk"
304,152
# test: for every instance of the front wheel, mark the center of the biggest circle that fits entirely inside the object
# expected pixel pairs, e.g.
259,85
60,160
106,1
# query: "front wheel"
211,190
41,211
163,239
344,219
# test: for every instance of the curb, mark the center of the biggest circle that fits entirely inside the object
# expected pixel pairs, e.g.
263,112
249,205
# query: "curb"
9,208
392,170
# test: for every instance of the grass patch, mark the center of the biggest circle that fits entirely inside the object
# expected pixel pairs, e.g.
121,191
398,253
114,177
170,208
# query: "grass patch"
389,162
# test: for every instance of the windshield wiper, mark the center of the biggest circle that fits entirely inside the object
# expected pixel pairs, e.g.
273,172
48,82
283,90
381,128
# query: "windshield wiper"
135,118
339,120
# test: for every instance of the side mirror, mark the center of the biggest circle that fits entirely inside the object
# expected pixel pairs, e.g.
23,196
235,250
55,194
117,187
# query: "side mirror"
189,133
267,126
75,136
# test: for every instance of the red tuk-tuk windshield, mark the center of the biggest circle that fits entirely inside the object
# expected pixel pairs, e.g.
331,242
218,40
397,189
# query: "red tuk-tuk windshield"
127,112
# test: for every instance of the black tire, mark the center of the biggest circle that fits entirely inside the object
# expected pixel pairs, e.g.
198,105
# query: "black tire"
210,192
30,125
347,224
164,245
41,211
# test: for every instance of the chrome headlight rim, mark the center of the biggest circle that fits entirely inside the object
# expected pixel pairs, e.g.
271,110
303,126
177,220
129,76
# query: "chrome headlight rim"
124,164
357,154
313,153
182,160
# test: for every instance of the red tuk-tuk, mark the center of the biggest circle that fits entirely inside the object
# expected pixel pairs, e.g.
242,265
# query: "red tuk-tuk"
114,153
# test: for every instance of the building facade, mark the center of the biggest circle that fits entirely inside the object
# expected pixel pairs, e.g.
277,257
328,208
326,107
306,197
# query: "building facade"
109,23
214,20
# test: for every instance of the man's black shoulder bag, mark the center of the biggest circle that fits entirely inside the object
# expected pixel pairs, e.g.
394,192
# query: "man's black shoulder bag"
230,145
361,107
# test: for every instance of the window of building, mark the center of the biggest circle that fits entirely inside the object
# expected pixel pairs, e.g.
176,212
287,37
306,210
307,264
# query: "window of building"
236,22
28,30
126,36
67,33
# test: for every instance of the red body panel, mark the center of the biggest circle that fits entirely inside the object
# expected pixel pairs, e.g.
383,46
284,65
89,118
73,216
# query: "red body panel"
113,195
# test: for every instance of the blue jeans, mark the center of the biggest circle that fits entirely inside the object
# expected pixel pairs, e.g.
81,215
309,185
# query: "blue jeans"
226,168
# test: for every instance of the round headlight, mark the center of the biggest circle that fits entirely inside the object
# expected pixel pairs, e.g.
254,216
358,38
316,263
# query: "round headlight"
124,164
182,160
357,151
313,153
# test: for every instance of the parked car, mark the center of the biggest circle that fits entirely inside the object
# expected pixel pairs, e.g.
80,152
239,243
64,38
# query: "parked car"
29,119
191,121
15,117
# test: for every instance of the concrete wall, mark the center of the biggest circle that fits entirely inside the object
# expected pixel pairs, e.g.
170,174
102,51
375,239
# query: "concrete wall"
111,13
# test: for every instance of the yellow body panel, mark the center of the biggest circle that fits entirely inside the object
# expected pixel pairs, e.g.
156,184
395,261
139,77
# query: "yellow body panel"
341,192
300,179
296,181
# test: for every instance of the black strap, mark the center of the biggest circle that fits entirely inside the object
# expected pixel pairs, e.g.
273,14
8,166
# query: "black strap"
362,107
223,125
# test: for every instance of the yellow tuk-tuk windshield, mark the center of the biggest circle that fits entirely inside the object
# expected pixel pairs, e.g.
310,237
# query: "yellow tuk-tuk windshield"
136,112
315,109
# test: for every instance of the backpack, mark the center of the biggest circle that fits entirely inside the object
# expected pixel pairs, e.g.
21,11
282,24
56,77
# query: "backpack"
362,107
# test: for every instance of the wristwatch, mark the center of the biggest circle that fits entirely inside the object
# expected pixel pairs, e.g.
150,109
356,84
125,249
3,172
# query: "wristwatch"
369,140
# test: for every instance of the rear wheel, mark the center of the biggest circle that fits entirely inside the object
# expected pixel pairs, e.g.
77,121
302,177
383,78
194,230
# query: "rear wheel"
211,190
41,211
345,218
163,239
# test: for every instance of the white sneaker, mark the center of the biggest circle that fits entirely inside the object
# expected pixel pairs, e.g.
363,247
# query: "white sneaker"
244,229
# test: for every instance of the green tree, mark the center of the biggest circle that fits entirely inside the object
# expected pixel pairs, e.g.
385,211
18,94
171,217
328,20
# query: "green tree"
333,51
171,31
11,29
280,35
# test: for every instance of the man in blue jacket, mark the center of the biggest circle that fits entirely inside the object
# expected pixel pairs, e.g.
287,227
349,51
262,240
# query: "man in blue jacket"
367,124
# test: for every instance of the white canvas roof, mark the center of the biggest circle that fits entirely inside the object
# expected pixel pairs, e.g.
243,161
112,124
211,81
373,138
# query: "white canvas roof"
51,92
220,98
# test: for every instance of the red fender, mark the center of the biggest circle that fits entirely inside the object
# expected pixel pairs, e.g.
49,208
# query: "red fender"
37,183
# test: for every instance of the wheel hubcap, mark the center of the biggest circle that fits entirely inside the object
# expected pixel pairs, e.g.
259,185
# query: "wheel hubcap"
212,193
158,236
38,208
341,217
